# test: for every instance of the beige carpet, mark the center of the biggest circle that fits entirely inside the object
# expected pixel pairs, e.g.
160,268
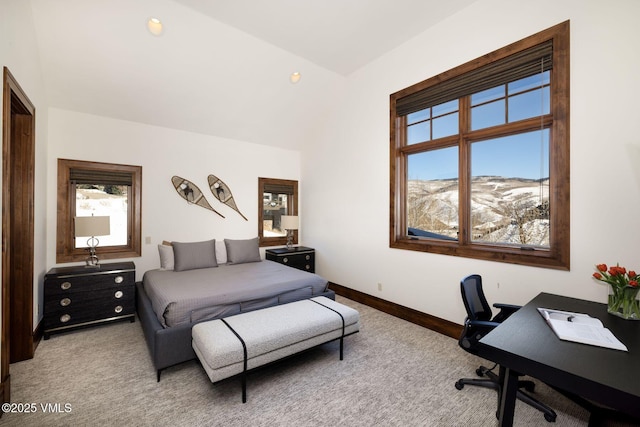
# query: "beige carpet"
394,374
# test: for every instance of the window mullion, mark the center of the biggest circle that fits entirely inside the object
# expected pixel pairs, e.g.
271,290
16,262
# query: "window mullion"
506,103
464,172
399,176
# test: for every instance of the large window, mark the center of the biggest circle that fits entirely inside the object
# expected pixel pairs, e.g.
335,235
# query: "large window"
276,197
480,157
99,189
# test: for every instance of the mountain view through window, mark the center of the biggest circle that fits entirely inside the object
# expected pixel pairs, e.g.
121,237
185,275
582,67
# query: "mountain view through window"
509,175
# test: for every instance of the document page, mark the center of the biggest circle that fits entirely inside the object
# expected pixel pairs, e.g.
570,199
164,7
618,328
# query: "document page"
582,328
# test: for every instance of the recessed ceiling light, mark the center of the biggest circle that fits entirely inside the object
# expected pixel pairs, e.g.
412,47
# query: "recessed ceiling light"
295,77
155,26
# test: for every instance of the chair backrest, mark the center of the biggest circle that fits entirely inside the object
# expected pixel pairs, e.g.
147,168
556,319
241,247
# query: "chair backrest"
473,297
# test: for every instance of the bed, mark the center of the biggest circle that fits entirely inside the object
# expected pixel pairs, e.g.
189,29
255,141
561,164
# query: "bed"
202,281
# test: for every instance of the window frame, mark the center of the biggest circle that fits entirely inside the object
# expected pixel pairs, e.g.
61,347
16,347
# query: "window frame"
65,242
292,209
558,254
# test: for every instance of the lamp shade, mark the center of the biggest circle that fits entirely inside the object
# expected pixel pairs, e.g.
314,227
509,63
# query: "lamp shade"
289,222
89,226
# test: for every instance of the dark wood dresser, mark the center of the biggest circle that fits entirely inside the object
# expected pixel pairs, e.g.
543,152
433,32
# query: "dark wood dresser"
76,297
299,257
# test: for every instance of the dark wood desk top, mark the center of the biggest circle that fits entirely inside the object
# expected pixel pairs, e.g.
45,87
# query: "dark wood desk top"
526,344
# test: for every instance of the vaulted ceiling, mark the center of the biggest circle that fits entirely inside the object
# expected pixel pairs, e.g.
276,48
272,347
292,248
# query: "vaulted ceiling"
221,67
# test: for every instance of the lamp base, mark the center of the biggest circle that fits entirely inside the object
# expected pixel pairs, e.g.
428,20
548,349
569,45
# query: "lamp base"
289,239
92,260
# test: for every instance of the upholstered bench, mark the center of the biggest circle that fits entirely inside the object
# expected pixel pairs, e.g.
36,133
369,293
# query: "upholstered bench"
237,344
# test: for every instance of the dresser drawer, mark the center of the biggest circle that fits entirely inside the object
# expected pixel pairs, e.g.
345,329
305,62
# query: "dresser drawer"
67,284
98,311
299,261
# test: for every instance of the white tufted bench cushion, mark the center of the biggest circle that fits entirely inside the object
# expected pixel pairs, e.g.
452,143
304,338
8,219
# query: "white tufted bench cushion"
269,334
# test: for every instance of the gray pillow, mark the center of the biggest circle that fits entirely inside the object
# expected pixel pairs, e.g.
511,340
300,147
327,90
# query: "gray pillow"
241,251
193,255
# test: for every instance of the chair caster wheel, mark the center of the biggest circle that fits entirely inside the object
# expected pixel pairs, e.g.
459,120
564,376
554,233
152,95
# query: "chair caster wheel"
530,387
550,417
459,385
480,372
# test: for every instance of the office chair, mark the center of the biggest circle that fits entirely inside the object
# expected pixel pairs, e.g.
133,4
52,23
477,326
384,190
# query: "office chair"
479,323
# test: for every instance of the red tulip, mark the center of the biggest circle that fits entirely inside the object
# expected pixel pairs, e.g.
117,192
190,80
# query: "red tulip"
597,276
617,270
602,267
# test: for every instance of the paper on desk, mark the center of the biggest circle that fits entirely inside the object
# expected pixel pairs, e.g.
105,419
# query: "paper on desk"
581,328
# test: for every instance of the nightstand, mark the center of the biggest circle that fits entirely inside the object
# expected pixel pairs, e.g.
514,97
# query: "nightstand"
76,297
299,257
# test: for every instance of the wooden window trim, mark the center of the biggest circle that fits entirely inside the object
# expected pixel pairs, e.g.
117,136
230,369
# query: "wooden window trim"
65,248
292,208
557,256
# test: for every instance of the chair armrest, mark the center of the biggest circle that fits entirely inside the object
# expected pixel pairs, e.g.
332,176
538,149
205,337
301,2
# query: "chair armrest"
483,323
473,332
507,307
506,310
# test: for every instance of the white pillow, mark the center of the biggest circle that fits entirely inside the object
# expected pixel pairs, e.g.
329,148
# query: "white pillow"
221,252
166,257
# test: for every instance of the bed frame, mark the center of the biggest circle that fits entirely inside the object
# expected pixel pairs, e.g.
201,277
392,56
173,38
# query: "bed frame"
172,346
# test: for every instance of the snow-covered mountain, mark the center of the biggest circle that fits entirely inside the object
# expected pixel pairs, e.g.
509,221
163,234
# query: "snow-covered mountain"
506,210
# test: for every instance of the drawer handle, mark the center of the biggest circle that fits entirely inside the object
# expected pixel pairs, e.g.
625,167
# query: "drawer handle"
308,257
118,309
65,318
118,279
308,267
118,294
285,260
65,302
65,285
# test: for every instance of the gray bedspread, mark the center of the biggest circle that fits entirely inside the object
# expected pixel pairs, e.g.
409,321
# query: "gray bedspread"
195,295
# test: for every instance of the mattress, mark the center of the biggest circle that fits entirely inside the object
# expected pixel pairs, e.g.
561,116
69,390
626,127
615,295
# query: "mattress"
196,295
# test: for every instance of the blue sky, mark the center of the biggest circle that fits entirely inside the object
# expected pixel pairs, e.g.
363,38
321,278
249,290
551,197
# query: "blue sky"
518,156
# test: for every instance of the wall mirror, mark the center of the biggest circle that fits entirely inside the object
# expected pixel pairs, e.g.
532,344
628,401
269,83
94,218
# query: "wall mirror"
276,197
101,189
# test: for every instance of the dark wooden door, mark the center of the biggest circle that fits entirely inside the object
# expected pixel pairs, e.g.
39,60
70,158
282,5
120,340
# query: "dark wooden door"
18,163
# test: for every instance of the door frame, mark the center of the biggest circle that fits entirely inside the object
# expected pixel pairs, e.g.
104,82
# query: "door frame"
18,181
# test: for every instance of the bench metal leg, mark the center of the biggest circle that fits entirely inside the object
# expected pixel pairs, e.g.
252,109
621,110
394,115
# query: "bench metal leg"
244,370
244,387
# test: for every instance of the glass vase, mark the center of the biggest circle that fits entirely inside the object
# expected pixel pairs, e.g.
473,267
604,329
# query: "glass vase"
623,302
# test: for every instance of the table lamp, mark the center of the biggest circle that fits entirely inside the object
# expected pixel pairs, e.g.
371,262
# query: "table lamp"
92,226
289,223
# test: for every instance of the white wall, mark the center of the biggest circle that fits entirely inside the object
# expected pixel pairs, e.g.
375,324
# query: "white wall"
18,52
346,174
163,153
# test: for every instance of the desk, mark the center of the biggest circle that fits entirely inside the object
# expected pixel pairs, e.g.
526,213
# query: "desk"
525,345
